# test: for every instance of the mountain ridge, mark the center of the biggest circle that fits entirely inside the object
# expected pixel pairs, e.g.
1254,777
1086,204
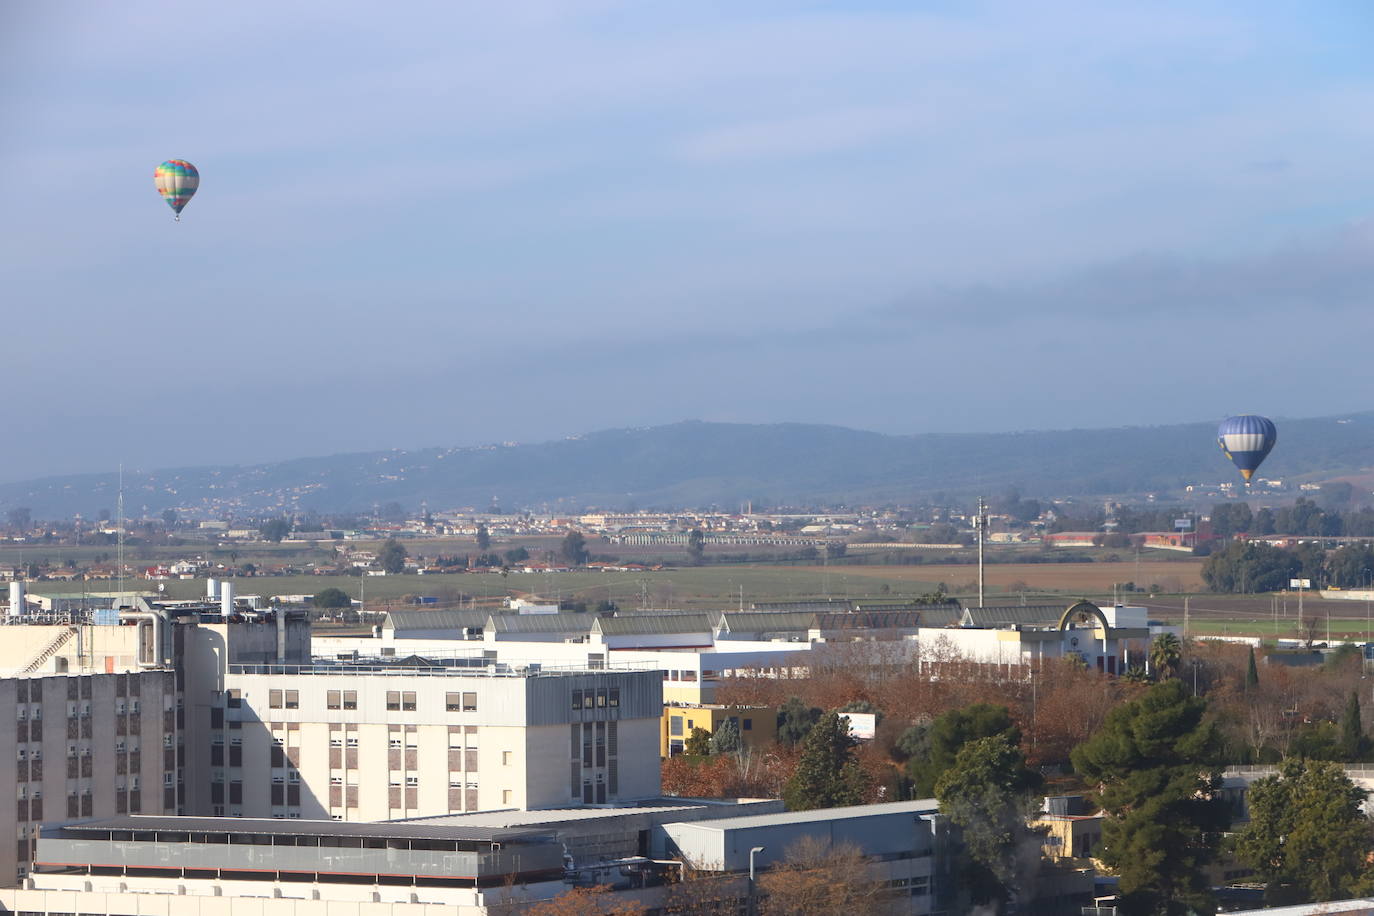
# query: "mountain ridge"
694,463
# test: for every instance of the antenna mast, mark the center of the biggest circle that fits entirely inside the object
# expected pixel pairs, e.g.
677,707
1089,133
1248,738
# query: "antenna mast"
981,523
119,550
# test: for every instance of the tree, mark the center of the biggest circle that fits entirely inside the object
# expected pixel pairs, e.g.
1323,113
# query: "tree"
392,557
516,555
1156,768
795,720
1353,742
726,739
818,877
1251,671
698,743
274,530
573,549
483,538
696,546
1231,518
827,774
331,598
949,733
990,794
582,901
1307,836
20,518
169,517
1166,654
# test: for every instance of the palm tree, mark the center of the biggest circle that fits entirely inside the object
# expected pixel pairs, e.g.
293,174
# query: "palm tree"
1166,653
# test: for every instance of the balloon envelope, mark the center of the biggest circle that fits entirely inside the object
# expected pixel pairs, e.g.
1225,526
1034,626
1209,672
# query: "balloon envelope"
176,181
1247,440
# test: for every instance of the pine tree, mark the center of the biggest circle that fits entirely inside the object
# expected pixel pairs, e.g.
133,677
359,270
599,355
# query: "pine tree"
1156,764
1352,734
1251,671
827,776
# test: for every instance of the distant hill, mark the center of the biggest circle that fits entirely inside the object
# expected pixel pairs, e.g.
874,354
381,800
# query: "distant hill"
696,464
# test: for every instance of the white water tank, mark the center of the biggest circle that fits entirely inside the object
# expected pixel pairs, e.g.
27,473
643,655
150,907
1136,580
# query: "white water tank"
211,589
17,598
226,597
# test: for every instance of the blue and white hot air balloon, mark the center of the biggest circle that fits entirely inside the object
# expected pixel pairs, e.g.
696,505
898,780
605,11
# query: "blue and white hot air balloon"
1247,440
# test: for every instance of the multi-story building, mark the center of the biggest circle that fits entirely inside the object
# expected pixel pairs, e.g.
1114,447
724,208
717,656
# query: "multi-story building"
95,721
204,708
379,741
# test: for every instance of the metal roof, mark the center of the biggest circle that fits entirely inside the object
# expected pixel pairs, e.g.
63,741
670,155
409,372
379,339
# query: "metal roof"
540,623
1039,615
767,621
649,626
917,807
880,620
436,620
393,830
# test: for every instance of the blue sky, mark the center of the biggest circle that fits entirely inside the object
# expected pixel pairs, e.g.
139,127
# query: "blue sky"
473,222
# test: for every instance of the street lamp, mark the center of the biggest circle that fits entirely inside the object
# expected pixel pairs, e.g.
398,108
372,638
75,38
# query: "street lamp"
753,894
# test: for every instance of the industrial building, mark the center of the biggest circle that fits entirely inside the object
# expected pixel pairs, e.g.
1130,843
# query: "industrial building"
463,865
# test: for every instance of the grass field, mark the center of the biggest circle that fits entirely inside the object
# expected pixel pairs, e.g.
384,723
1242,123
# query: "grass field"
720,586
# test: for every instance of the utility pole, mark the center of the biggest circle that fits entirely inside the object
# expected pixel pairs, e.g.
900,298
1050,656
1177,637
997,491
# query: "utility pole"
981,523
1185,616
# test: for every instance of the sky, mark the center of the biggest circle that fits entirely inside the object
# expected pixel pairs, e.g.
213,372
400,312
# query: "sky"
458,223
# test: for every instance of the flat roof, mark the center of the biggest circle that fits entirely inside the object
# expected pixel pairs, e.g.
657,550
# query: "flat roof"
747,822
514,817
384,830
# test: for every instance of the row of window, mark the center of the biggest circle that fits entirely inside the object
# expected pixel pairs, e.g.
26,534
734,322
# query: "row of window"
600,698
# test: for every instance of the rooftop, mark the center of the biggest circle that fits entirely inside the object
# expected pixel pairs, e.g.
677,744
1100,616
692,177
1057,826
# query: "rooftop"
915,807
252,826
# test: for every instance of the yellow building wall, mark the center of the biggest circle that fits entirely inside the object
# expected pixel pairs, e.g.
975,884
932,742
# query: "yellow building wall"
758,725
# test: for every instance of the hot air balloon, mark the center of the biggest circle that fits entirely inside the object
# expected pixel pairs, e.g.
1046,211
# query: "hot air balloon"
1247,441
176,181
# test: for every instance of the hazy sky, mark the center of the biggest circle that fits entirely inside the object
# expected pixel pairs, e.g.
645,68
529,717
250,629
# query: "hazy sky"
453,223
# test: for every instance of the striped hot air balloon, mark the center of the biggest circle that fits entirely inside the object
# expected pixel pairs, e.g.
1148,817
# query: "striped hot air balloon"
176,181
1247,440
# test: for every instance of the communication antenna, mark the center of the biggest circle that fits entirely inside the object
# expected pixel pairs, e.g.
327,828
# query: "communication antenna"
119,531
981,523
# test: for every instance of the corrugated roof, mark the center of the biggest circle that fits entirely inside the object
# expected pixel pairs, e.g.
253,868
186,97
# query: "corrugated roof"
766,621
1038,615
917,807
435,620
540,623
267,825
881,620
650,626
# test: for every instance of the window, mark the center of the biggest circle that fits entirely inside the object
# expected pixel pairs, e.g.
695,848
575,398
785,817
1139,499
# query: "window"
601,698
274,699
469,702
393,700
233,699
408,701
293,699
748,725
615,698
350,699
332,699
576,700
675,726
505,796
452,702
505,758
